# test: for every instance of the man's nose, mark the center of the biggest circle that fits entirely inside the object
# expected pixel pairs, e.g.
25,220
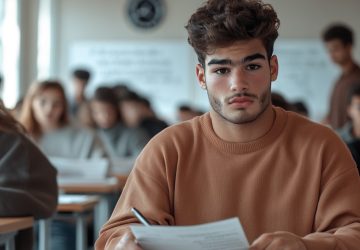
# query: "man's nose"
239,81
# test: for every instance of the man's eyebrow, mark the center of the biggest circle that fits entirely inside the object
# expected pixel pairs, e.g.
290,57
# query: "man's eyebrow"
229,62
253,57
220,62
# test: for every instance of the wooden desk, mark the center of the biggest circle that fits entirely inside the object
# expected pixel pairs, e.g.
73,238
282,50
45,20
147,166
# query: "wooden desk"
108,185
79,207
104,189
10,226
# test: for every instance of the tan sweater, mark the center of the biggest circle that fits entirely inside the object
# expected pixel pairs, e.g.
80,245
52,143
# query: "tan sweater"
299,177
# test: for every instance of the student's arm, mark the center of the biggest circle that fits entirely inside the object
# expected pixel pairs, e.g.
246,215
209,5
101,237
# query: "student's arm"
148,189
28,184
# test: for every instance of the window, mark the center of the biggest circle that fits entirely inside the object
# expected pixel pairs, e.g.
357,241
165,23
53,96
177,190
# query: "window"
9,51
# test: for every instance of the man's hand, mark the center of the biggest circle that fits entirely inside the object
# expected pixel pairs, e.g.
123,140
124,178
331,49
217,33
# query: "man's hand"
278,241
127,242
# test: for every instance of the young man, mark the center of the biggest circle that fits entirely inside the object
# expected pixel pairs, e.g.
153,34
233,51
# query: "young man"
291,182
339,43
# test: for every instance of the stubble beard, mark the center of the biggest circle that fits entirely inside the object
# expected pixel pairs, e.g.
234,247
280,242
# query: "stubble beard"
242,116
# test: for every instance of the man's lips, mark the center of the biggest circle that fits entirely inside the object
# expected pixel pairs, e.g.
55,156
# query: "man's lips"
241,99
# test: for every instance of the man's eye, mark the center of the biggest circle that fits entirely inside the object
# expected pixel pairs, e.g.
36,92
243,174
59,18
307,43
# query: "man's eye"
253,67
222,71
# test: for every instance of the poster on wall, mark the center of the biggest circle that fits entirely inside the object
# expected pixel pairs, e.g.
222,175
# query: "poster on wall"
158,70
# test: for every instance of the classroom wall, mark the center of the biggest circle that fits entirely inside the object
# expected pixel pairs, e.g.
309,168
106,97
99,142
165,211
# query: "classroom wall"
103,21
106,20
99,20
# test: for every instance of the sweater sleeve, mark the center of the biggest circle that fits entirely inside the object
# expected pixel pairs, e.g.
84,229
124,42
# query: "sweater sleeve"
337,219
146,189
28,184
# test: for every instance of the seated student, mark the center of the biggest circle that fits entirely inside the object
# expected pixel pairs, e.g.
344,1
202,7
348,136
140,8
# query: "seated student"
137,113
185,112
354,147
27,180
290,181
119,141
45,116
279,100
80,80
300,108
351,130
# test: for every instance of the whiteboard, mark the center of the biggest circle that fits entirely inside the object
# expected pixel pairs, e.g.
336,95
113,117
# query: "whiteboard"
305,73
164,71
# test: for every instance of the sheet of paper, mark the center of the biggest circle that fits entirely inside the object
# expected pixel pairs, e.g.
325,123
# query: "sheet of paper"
81,168
222,235
72,198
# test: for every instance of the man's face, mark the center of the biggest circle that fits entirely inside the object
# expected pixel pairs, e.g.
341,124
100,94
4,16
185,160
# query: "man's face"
354,109
131,113
238,80
48,107
339,53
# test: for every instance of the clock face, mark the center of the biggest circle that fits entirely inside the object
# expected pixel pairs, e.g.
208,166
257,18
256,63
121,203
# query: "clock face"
146,13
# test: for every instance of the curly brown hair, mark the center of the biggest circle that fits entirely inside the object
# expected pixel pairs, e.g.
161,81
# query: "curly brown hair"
219,23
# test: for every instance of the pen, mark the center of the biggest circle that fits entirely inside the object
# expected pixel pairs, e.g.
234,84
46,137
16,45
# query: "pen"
140,217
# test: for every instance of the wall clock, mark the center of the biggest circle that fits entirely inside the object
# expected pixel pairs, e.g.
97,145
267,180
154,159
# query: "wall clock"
146,13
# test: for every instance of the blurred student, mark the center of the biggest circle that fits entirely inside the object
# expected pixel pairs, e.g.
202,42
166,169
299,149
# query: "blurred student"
118,140
300,108
138,113
354,147
339,42
351,130
45,116
28,184
279,100
80,80
185,112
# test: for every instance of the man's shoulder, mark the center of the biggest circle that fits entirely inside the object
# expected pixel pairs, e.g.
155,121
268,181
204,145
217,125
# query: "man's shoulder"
181,131
304,127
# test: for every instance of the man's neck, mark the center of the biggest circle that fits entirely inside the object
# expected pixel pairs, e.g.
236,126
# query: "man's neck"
243,132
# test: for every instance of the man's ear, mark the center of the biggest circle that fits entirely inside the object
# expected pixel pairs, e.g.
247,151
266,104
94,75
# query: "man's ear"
200,75
274,68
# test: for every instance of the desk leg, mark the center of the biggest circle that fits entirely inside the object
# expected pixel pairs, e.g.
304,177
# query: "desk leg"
44,234
102,214
10,242
81,234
